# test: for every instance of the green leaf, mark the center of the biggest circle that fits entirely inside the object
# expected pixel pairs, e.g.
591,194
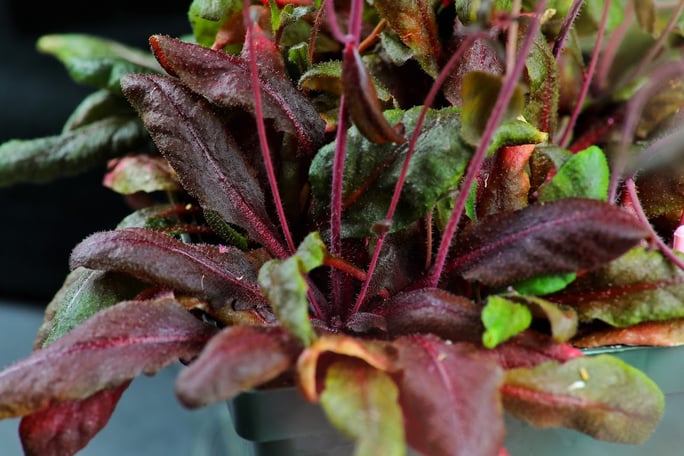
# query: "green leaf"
639,286
283,283
363,402
585,175
141,173
52,157
207,16
543,285
327,77
503,319
601,396
479,92
95,61
97,106
372,170
541,77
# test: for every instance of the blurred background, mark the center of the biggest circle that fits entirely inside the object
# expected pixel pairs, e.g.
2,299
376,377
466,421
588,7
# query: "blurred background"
40,224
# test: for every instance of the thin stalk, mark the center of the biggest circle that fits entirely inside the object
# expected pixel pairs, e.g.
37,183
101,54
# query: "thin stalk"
565,27
512,39
432,94
476,162
638,209
611,48
588,76
261,128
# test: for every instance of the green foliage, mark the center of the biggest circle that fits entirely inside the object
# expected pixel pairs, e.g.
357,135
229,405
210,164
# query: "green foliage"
503,319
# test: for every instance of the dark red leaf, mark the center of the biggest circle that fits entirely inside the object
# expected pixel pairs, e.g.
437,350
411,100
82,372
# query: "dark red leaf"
110,348
222,275
531,348
434,311
197,144
450,397
362,100
67,427
225,80
238,358
563,236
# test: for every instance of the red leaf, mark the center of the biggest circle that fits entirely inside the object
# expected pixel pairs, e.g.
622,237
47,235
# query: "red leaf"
563,236
531,348
238,358
67,427
450,398
668,333
110,348
225,80
208,160
222,275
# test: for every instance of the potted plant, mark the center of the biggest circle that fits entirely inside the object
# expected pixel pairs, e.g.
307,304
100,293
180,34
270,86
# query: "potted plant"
417,213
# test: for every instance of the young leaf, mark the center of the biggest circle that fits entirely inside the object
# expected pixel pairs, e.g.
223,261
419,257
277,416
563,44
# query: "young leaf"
209,163
223,276
110,348
585,175
140,173
225,80
362,402
84,293
639,286
43,159
362,100
558,237
97,61
237,358
415,22
371,172
601,396
207,16
67,427
503,319
450,397
434,311
543,285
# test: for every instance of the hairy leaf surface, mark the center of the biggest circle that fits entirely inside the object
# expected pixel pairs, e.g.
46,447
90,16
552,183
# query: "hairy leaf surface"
237,358
601,396
197,144
224,276
563,236
110,348
450,397
362,402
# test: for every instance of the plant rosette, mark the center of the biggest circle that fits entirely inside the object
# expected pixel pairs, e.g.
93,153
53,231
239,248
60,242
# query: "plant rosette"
418,213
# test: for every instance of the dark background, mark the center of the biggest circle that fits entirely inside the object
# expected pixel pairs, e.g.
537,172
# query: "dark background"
40,224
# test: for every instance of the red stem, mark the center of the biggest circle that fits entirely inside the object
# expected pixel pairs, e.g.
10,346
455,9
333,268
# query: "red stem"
565,28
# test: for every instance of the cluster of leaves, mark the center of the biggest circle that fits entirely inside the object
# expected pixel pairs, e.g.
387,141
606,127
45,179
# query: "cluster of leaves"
418,229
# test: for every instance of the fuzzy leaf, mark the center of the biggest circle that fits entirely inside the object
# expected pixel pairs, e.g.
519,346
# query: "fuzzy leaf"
223,276
362,100
97,61
362,402
584,175
601,396
558,237
371,172
434,311
237,358
140,173
639,286
415,22
208,161
541,77
378,354
67,427
225,80
480,57
110,348
450,397
97,106
503,319
84,293
44,159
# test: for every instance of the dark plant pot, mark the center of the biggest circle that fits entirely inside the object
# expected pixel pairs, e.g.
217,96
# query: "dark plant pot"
279,422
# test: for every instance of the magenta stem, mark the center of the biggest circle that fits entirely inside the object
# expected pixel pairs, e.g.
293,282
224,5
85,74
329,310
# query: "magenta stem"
565,28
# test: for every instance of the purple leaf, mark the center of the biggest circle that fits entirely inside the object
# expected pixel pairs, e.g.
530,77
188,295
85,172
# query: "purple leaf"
197,144
225,80
222,275
237,358
563,236
450,397
434,311
67,427
110,348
